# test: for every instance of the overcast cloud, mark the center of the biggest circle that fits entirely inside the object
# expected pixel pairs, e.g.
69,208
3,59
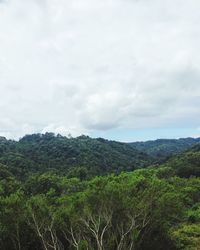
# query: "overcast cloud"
75,66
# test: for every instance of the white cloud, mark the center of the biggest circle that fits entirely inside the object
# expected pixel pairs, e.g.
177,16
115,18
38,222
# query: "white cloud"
82,65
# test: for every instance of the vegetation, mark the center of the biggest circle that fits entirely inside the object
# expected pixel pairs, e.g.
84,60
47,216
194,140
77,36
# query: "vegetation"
152,208
70,156
163,148
186,164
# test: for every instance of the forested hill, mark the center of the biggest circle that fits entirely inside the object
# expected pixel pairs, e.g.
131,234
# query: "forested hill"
84,157
153,208
185,164
79,156
162,148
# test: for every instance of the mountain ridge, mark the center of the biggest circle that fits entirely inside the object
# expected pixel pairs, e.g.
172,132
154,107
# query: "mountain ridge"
165,148
84,156
49,152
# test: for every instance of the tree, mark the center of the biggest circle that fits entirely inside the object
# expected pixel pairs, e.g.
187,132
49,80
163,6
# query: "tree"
41,219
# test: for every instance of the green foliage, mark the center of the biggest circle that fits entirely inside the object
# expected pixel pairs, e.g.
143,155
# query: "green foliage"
162,148
186,164
81,157
186,236
56,193
137,210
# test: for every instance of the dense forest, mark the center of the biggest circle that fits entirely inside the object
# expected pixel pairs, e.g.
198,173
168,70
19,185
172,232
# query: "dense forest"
93,194
163,148
59,154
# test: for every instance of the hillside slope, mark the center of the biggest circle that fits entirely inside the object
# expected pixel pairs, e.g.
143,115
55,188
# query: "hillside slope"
186,164
162,148
39,153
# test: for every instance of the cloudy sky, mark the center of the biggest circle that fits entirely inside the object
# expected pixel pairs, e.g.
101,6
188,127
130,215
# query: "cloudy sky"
122,69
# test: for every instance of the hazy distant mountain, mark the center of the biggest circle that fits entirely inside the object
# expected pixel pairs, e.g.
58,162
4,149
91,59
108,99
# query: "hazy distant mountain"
162,148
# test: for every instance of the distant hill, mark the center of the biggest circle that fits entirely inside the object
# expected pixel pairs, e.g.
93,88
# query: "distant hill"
163,148
84,157
185,164
74,156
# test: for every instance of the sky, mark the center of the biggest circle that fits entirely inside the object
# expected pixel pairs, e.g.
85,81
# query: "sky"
121,69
